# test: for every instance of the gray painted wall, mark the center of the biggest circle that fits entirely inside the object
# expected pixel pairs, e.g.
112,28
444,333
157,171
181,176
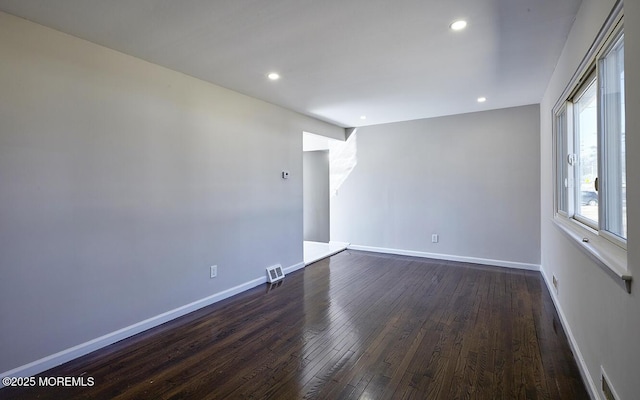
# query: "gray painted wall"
121,182
315,182
604,320
471,178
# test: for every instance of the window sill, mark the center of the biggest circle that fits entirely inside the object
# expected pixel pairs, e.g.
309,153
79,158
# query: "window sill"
611,258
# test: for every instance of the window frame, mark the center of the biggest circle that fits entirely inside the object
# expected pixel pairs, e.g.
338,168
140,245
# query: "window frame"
608,46
561,157
608,249
589,74
590,79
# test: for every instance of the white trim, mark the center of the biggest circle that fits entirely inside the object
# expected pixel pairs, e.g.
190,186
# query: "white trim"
293,268
475,260
582,365
61,357
613,391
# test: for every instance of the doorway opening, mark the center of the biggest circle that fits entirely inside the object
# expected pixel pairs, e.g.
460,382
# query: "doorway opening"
316,182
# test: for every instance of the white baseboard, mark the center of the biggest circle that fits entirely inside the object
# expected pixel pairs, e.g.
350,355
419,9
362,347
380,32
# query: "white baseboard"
438,256
53,360
582,365
293,268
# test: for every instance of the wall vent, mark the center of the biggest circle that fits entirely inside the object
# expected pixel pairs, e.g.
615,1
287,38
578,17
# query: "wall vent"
275,273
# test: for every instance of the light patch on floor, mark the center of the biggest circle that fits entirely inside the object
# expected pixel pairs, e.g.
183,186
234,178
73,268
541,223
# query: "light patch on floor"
314,251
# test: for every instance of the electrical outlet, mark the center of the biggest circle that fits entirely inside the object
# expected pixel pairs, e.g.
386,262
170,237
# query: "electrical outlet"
214,271
434,238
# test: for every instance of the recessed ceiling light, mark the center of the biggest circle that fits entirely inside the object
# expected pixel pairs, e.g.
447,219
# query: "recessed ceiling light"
274,76
363,117
458,25
482,99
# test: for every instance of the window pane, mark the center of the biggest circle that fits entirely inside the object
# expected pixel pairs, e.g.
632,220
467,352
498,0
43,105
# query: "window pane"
586,123
614,184
562,166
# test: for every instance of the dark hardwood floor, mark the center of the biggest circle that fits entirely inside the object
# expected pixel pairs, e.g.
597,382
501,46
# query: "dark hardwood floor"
355,326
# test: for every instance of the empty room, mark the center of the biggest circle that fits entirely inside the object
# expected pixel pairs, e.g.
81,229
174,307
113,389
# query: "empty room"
319,199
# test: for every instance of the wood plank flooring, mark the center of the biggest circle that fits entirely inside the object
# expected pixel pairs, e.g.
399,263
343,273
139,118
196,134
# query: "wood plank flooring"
355,326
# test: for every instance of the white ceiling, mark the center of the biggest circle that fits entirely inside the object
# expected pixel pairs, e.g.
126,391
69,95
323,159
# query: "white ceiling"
391,60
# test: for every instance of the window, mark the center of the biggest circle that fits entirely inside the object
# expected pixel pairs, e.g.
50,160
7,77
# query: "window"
585,134
614,182
590,173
